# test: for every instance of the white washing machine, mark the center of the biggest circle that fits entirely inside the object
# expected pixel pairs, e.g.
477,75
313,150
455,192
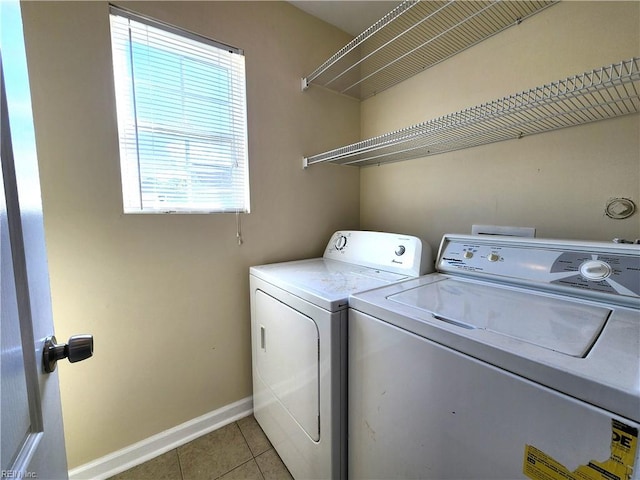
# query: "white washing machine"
519,358
298,336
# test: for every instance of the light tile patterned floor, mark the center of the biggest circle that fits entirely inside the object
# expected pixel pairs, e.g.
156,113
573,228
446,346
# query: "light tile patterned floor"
239,451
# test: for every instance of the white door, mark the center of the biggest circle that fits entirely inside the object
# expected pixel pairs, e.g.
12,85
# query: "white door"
32,440
290,369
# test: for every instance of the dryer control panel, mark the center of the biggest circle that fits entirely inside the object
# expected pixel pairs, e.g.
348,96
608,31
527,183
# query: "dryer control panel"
391,252
587,269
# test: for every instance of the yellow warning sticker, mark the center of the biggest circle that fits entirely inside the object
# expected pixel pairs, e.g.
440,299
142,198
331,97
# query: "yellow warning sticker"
624,444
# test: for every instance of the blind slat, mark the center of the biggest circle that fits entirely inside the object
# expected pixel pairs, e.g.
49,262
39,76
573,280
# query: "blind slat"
182,123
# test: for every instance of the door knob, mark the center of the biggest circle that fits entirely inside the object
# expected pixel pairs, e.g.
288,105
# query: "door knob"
79,348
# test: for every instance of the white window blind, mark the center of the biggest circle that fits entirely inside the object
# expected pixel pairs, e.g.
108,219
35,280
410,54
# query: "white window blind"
182,125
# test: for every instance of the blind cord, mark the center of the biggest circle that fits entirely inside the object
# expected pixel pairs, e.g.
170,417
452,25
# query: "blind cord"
238,230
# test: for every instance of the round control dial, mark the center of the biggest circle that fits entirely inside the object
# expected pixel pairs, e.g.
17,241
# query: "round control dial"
493,257
341,242
400,250
595,270
468,254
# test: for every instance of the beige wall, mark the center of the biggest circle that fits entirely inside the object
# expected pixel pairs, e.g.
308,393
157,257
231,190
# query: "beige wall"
558,182
166,297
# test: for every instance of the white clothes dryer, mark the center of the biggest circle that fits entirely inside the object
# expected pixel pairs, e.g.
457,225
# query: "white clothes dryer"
519,358
298,336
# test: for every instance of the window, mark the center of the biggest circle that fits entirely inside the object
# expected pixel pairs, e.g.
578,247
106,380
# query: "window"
182,123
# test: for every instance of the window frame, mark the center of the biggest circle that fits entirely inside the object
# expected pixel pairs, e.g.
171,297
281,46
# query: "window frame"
235,145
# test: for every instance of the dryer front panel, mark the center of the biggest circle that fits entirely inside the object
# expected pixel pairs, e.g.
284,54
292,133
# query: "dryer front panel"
287,359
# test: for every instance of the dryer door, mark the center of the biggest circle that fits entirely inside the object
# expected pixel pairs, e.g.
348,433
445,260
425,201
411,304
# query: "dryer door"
287,359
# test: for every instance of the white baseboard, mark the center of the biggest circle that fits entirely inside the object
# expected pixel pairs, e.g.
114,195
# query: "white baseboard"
151,447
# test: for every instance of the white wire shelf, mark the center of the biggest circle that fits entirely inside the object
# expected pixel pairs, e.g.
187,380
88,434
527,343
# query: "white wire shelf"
415,36
600,94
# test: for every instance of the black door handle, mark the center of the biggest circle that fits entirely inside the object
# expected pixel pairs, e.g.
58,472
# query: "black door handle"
80,347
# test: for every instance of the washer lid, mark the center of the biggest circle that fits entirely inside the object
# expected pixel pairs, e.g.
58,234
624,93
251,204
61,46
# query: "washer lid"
559,325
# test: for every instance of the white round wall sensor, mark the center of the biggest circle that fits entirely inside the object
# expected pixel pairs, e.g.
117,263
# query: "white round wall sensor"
620,208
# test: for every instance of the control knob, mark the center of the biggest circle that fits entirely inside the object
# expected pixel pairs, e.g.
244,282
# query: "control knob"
400,250
595,270
493,257
341,242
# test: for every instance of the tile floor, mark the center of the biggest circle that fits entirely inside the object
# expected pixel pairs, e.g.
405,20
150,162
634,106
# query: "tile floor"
239,451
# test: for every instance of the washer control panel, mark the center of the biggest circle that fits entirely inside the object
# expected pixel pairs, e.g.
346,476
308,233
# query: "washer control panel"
583,268
391,252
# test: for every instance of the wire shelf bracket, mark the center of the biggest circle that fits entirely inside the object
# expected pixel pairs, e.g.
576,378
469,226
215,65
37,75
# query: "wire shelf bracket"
603,93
